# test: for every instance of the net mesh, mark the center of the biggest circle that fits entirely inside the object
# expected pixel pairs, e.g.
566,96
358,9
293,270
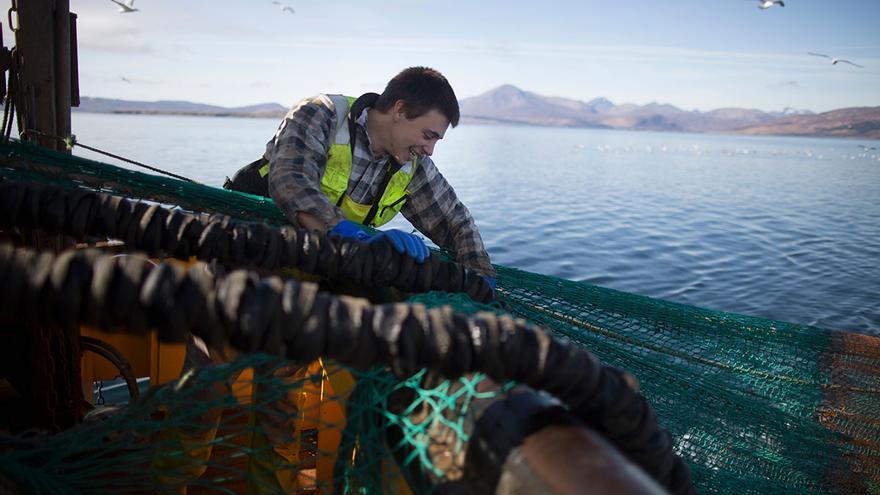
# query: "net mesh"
754,405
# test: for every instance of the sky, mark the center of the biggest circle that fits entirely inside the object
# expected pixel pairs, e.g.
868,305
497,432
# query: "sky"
694,54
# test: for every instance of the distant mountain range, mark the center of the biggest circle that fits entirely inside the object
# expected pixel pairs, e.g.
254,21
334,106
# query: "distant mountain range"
172,107
510,105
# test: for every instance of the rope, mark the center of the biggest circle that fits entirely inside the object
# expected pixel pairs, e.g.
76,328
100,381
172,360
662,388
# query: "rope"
295,320
159,231
70,142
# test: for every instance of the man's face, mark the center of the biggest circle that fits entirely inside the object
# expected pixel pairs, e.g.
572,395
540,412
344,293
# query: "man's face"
416,136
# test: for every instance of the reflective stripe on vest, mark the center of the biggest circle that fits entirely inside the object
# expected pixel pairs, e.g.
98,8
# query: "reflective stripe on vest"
334,183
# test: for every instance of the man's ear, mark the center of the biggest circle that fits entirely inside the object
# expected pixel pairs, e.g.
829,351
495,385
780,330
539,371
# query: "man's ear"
398,110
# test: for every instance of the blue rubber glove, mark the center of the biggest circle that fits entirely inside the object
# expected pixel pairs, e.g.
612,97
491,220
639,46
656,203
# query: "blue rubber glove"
404,243
491,281
351,230
400,240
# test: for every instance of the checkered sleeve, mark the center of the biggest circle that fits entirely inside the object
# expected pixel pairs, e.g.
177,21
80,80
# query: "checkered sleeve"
298,155
436,211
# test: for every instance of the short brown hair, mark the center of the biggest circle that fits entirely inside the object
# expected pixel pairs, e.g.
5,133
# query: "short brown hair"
422,89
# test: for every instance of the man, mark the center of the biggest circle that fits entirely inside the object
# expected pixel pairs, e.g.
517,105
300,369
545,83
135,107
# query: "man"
337,164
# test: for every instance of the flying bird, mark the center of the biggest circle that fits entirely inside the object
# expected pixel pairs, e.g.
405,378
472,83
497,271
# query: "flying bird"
284,8
834,60
125,79
766,4
125,6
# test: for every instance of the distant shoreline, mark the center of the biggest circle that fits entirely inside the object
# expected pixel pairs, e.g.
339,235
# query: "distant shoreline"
509,105
482,121
257,115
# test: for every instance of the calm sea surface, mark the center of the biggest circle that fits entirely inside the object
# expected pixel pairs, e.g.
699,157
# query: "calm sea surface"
784,228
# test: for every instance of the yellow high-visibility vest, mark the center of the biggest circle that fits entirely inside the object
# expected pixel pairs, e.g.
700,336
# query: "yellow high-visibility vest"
334,183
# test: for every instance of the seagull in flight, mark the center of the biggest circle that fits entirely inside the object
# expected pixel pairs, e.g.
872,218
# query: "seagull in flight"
766,4
834,60
125,6
125,79
284,8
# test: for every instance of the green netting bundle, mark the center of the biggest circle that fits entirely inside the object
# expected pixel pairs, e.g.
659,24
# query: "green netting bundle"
753,405
273,432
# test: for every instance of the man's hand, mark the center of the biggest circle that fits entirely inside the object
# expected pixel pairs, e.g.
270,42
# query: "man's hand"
404,243
401,241
351,230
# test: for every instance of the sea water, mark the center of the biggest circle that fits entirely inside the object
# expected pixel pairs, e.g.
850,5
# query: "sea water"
781,227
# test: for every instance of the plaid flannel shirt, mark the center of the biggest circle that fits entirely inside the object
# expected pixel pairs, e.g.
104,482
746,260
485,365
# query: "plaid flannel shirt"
298,154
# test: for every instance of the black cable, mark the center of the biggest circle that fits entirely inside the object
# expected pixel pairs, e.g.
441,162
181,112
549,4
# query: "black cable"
70,142
133,162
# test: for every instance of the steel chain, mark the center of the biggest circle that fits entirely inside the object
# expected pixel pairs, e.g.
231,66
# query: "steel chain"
64,378
51,373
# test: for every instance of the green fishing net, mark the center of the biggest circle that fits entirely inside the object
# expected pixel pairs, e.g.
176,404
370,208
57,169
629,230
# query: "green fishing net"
754,405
